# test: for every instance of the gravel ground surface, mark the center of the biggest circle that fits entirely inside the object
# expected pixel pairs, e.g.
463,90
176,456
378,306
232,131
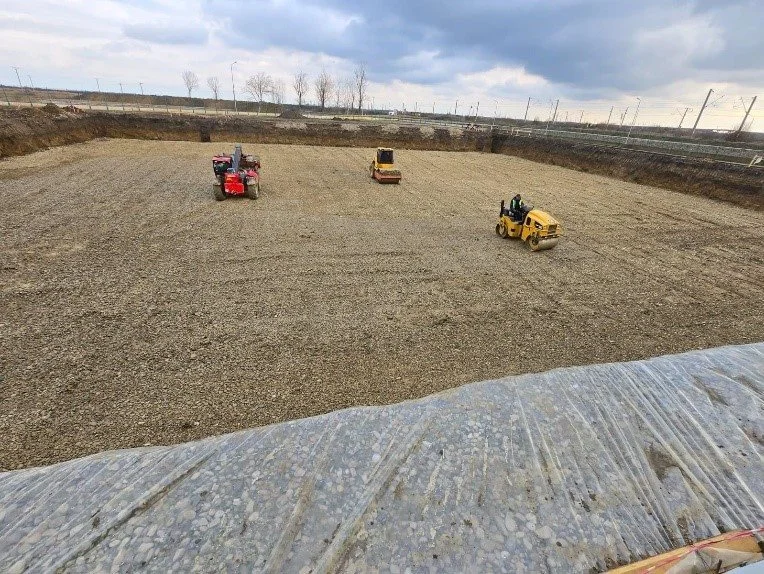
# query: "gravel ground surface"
134,309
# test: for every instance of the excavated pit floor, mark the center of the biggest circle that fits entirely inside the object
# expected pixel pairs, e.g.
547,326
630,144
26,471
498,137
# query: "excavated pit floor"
136,310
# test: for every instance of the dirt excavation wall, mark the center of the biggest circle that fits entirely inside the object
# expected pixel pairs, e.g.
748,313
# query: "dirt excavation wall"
25,131
716,180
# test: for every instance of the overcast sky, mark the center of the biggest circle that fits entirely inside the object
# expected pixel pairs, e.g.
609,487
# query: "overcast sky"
590,54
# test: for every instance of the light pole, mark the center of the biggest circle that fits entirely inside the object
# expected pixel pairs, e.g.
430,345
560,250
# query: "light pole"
456,106
495,111
99,92
32,84
634,119
18,77
233,88
623,116
700,113
747,113
681,121
123,96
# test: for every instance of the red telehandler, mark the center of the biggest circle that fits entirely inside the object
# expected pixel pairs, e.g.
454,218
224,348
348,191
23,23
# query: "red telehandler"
236,174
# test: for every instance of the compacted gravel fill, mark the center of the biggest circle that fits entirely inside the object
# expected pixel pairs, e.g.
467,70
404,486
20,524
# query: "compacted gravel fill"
135,309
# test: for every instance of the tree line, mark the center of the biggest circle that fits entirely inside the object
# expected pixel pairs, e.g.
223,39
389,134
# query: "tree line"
344,92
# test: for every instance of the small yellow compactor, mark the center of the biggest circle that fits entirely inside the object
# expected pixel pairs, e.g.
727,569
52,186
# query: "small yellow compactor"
537,228
383,167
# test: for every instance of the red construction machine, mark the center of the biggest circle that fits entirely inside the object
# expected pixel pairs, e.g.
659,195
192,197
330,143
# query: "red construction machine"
236,174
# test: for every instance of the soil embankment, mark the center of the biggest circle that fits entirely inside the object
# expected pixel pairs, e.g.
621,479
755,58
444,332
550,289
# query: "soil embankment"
27,130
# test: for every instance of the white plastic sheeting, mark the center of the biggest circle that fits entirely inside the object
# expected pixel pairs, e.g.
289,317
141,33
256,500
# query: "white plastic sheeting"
571,470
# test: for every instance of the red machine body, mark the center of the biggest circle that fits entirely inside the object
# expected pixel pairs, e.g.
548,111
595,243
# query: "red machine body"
236,175
234,184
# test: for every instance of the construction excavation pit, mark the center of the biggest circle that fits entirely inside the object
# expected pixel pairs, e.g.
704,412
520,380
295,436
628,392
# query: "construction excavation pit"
137,310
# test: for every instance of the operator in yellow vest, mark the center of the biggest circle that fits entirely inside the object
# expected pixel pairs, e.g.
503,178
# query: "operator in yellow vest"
516,208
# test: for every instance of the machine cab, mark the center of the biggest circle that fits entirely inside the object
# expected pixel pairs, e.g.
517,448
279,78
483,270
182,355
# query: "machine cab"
221,164
384,156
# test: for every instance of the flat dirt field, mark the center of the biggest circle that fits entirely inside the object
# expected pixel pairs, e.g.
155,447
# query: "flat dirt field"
135,309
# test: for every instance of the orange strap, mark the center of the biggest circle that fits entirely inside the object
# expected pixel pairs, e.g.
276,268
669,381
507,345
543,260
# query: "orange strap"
706,544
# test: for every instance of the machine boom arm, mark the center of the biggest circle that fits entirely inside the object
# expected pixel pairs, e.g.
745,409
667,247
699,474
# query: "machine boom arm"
236,158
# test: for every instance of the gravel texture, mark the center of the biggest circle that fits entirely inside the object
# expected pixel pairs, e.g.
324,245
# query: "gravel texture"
135,309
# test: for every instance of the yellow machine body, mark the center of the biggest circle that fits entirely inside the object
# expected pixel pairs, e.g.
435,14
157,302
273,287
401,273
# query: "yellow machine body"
538,229
383,167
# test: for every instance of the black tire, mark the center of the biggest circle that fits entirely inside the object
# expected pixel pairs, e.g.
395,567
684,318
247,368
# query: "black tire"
501,229
252,191
218,192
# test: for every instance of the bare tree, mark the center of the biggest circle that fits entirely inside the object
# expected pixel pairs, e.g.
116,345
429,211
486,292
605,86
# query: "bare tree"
214,85
278,91
300,86
361,83
324,87
348,94
257,86
191,81
338,91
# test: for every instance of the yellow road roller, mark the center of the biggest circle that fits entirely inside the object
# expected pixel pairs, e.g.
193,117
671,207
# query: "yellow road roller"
383,167
537,228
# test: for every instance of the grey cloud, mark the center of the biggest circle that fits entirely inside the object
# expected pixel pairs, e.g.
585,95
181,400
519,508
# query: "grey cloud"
167,34
595,46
